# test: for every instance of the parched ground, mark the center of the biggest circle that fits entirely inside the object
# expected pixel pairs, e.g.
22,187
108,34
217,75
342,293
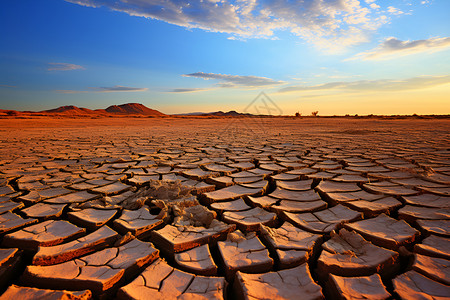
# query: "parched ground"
239,208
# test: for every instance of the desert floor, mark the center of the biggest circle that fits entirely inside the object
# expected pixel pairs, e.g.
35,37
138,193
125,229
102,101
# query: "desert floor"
238,208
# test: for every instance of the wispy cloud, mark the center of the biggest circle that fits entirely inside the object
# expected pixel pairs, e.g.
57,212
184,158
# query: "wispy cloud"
392,47
328,24
236,81
189,90
375,85
7,86
63,67
119,88
116,88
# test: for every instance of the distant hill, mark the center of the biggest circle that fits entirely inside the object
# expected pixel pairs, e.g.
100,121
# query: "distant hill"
70,110
133,109
231,113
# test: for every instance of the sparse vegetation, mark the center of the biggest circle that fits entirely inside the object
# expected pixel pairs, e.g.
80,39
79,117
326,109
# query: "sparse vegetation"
315,113
297,114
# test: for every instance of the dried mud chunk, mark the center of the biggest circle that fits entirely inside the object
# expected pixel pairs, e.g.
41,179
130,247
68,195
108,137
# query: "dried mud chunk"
385,231
272,167
297,185
44,210
286,177
48,233
298,206
28,293
434,246
438,227
337,187
111,189
367,287
244,253
375,207
98,272
293,246
10,221
10,206
139,222
199,174
412,285
161,281
236,205
411,213
323,221
205,288
9,263
76,197
438,178
197,261
352,196
91,218
437,269
142,179
394,190
428,200
309,195
5,190
31,186
221,182
443,191
288,284
250,220
321,175
351,178
231,193
97,240
348,254
264,201
173,239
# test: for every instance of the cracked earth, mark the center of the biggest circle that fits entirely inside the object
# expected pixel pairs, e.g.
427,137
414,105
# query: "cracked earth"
198,209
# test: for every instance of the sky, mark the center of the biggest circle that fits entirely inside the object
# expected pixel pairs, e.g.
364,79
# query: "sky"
333,56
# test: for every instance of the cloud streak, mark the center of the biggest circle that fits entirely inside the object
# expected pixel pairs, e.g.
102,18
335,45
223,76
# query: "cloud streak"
392,47
116,88
63,67
188,90
120,88
236,81
375,85
328,24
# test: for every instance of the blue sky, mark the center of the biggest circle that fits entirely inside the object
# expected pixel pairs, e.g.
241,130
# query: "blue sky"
334,56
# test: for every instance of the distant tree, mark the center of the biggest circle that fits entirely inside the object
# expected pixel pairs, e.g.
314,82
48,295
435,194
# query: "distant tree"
297,114
314,113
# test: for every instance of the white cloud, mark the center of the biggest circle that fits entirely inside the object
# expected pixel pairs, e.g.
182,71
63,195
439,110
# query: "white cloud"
375,85
238,81
394,11
393,47
63,67
328,24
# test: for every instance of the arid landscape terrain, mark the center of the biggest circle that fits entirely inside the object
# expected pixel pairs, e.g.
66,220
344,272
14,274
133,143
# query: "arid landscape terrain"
234,208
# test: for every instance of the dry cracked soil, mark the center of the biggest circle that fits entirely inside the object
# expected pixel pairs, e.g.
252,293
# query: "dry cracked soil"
177,208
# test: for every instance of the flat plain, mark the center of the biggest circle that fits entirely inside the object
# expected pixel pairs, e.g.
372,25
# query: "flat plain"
225,208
